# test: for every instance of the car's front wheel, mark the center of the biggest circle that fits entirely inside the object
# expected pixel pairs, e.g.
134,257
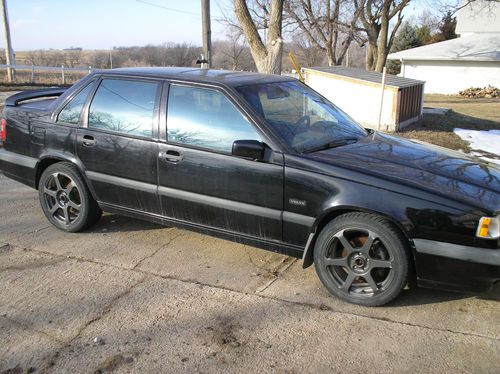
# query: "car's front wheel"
362,258
65,198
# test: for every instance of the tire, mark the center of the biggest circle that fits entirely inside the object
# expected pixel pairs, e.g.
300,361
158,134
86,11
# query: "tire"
362,258
65,198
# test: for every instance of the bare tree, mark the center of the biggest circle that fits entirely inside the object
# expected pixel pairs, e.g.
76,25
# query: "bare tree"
329,25
72,58
227,54
268,18
375,18
232,53
463,3
306,53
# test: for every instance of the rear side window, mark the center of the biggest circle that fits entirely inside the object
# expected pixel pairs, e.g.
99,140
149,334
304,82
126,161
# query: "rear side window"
124,106
205,118
72,110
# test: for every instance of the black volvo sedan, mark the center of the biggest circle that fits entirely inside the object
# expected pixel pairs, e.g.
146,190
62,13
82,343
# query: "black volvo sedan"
263,160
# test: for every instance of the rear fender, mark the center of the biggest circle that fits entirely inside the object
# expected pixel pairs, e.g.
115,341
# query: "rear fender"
62,157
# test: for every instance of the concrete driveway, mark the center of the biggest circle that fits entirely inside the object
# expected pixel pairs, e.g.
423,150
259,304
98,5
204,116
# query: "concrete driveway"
131,296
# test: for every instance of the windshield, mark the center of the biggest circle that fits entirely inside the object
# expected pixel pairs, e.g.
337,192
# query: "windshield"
301,117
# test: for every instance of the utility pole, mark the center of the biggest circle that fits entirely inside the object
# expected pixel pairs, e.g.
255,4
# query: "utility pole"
9,54
207,33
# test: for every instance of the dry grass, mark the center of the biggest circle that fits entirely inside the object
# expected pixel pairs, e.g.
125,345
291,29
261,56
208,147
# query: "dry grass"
466,113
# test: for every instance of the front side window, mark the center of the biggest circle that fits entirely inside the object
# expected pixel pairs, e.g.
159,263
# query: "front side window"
124,106
303,119
205,118
72,110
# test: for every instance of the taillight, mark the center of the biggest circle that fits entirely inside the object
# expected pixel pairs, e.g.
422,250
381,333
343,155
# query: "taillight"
3,130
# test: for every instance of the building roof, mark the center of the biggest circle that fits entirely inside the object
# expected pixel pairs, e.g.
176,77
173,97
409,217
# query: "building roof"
227,77
474,47
367,76
478,17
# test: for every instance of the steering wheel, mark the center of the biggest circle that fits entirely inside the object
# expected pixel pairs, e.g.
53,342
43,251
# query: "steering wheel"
304,120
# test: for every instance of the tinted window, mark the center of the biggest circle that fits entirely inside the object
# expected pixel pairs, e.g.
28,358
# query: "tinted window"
302,118
205,118
124,106
72,110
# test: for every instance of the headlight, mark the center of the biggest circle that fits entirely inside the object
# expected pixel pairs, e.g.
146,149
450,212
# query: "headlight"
488,228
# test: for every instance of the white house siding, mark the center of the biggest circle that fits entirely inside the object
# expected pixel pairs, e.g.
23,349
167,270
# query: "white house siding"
450,77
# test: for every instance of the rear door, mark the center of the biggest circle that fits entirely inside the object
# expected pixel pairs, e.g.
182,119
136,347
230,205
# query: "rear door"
201,182
117,143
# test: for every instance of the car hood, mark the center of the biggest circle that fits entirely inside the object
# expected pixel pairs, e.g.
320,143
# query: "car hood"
432,168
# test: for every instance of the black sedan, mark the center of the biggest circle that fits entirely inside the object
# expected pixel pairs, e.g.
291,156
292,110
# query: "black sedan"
263,160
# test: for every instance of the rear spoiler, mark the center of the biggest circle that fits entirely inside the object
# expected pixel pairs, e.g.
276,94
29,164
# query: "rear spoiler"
14,100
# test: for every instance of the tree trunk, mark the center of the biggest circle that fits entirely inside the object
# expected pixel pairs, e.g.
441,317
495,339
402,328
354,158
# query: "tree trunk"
381,59
267,57
383,38
330,55
371,56
270,61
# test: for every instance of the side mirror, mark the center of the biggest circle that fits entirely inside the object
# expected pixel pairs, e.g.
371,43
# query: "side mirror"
251,149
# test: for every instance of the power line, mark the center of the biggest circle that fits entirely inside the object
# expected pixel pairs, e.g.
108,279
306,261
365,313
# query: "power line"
170,9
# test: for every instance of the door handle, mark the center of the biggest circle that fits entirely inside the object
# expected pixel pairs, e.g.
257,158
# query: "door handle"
171,156
88,140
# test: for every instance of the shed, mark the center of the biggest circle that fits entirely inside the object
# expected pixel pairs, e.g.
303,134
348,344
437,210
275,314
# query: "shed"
358,92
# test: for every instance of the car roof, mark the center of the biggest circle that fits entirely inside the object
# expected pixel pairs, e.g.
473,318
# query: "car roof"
226,77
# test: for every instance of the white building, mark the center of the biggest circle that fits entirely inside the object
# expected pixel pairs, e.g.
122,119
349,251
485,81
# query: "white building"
472,60
358,93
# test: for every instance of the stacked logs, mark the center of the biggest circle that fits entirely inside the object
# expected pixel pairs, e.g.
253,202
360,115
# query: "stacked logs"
476,92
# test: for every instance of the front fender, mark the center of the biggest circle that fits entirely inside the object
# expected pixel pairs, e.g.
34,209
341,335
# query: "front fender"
416,214
397,218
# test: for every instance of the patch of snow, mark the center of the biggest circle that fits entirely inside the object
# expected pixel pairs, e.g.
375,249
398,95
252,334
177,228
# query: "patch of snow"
485,158
482,141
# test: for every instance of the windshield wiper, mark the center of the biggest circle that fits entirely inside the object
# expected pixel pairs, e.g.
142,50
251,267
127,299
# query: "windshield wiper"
332,144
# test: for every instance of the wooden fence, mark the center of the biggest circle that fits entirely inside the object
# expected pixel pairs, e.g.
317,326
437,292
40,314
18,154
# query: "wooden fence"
43,74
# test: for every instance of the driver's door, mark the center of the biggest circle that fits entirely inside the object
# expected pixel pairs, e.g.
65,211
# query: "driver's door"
201,182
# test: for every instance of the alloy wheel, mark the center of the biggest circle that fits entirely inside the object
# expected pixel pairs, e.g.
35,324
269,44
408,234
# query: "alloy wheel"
62,198
359,262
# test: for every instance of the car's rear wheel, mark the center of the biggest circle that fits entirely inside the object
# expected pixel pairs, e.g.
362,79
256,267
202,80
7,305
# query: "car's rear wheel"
362,258
65,198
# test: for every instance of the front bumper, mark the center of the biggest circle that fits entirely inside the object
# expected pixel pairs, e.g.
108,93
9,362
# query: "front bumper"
456,267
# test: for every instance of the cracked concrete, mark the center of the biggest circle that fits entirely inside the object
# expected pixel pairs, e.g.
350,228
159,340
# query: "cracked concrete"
51,361
163,299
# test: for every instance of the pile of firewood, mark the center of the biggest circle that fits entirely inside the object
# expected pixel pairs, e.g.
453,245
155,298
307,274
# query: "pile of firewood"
476,92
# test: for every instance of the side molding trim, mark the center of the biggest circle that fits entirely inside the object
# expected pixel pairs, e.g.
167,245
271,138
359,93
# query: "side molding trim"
15,158
221,203
123,182
298,219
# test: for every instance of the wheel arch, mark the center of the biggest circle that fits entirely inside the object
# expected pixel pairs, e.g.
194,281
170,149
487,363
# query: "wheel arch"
334,212
49,159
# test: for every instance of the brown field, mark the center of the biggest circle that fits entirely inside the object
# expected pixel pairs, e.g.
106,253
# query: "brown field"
466,113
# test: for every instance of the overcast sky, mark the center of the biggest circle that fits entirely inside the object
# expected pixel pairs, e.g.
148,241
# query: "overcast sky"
94,24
